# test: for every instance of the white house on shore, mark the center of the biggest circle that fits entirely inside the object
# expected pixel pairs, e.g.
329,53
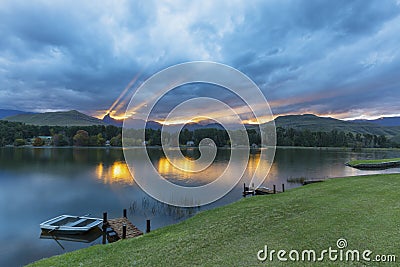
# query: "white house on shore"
190,143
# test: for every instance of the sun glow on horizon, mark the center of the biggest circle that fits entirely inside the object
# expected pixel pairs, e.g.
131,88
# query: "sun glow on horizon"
346,116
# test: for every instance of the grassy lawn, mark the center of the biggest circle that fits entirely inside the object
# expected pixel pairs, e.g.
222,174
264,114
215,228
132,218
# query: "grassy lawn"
364,210
372,161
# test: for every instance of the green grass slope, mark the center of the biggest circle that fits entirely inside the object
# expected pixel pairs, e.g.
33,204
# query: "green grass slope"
372,161
61,118
315,124
364,210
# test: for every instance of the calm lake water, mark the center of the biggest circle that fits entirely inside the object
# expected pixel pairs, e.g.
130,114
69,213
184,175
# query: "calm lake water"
39,183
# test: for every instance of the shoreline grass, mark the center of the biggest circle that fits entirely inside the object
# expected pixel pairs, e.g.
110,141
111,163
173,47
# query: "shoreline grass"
355,163
298,180
365,210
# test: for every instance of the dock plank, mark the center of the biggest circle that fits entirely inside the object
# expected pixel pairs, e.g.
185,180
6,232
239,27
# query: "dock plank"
117,225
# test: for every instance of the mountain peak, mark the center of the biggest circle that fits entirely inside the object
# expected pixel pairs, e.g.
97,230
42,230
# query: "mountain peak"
73,111
309,115
110,120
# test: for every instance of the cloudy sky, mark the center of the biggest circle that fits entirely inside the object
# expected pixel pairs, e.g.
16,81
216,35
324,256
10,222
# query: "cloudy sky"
336,58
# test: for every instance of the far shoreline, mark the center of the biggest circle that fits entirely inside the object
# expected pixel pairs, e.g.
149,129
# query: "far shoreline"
227,148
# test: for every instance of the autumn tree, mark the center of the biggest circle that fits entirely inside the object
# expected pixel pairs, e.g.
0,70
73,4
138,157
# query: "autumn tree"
116,140
81,138
19,142
59,140
38,142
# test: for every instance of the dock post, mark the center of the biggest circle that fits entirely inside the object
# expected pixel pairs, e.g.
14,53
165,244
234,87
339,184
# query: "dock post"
274,189
104,221
147,226
283,188
104,239
124,231
124,213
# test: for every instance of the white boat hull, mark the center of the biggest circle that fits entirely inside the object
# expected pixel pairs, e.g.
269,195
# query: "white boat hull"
69,224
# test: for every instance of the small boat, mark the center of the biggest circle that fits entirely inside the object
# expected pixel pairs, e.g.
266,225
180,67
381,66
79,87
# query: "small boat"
70,224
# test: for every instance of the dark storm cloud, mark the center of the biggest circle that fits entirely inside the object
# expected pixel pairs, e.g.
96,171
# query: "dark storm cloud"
327,57
62,52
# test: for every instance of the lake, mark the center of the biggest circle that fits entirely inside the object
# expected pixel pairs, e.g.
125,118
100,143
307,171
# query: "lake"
39,183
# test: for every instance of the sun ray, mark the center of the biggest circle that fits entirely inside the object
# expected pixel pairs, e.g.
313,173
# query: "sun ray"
130,84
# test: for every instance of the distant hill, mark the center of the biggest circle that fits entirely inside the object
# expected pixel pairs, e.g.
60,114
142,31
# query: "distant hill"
137,124
60,118
195,126
315,124
107,119
384,121
11,112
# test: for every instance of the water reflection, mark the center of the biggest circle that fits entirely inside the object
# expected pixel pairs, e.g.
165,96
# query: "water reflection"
118,173
150,208
254,161
87,237
186,178
177,176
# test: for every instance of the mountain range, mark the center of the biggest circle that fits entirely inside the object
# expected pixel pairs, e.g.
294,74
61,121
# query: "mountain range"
327,124
385,121
59,118
11,112
384,126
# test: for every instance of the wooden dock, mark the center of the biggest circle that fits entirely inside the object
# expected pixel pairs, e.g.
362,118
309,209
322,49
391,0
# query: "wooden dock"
265,191
119,228
261,190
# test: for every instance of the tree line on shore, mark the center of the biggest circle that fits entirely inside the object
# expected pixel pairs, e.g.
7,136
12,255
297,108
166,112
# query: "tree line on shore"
17,134
334,138
295,137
